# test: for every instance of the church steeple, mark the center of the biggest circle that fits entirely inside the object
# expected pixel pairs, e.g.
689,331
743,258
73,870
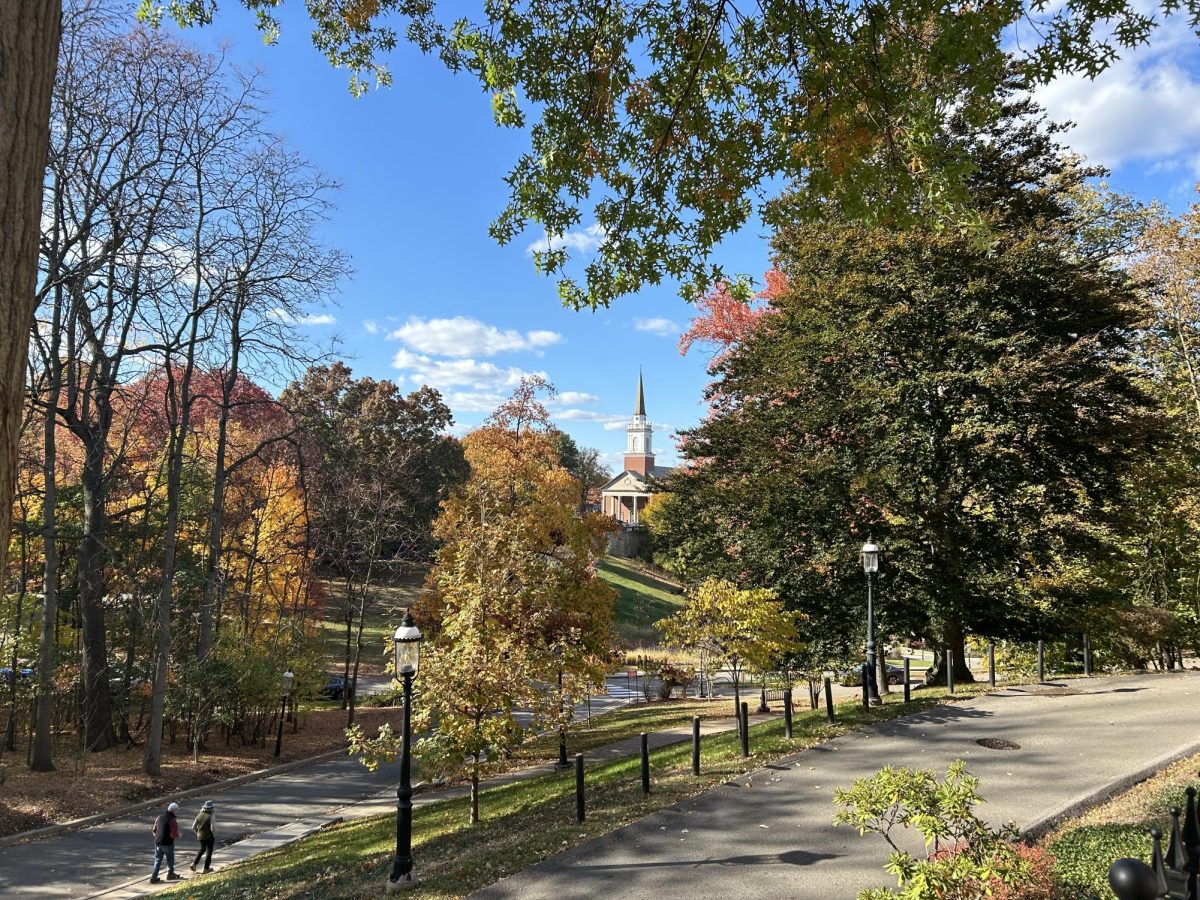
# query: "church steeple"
639,450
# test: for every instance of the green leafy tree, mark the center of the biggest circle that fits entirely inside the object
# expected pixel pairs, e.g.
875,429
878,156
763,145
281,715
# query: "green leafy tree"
974,407
747,628
672,124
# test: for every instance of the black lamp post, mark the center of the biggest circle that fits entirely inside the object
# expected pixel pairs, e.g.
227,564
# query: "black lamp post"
408,643
287,689
870,561
562,727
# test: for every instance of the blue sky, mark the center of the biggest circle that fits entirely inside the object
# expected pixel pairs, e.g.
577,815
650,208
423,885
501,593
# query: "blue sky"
434,299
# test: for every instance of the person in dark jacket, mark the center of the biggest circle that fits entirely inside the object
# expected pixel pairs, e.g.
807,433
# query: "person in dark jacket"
203,827
166,830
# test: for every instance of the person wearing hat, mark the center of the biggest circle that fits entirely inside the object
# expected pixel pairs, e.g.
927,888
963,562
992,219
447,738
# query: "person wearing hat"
203,827
166,830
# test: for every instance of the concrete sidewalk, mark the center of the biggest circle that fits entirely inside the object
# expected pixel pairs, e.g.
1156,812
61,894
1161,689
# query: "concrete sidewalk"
769,834
113,860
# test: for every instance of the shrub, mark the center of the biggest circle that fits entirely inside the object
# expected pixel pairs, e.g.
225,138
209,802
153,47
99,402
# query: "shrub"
967,859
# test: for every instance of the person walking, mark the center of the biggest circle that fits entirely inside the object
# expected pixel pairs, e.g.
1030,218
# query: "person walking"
166,830
203,827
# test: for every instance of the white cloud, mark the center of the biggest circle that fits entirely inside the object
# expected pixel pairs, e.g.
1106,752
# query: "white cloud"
610,421
1145,107
464,337
659,326
308,319
370,326
448,374
474,401
584,241
572,398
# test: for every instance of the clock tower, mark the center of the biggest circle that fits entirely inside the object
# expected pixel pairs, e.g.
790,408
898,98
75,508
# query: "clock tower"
639,449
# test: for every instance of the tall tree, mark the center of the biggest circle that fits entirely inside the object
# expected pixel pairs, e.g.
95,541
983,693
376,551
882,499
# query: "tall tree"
516,600
29,39
381,463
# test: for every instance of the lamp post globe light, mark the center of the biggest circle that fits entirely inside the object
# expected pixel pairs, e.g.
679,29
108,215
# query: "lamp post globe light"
870,563
408,654
285,689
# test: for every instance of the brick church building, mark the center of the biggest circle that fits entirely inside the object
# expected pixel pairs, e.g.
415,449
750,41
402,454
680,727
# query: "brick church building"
626,495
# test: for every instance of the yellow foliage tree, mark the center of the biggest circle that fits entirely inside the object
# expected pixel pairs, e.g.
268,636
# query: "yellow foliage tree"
744,627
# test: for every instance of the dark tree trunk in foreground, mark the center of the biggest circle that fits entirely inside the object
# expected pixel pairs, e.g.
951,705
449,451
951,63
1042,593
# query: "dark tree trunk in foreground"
952,639
29,35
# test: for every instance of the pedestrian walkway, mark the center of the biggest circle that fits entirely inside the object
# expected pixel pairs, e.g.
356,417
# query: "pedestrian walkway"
112,860
770,833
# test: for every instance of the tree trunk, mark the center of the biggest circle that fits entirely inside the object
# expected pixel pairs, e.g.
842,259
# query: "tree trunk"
349,620
952,639
29,36
352,682
881,680
166,596
98,732
475,790
42,758
213,565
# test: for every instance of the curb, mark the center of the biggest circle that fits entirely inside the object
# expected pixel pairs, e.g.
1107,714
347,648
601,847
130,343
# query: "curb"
36,834
1040,827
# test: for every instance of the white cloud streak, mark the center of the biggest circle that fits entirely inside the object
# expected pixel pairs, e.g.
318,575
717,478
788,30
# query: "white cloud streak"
448,375
308,319
658,326
586,241
463,337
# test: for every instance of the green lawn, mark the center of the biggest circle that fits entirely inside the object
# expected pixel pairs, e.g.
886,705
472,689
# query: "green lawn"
384,607
521,823
642,599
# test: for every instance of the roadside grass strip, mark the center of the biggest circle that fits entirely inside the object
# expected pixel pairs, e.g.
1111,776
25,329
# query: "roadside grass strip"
526,821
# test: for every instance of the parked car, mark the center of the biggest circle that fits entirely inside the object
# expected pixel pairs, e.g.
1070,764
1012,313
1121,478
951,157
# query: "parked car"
7,676
335,687
853,677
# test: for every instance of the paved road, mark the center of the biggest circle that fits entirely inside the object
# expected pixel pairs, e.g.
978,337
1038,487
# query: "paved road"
76,865
769,835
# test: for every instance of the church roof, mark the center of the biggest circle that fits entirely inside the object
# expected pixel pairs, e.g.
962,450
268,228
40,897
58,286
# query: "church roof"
655,472
641,400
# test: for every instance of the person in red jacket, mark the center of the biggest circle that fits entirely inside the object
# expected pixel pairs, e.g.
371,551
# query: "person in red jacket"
166,830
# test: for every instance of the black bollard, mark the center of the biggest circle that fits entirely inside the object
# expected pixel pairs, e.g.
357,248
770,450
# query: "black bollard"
762,702
787,714
829,701
745,729
992,663
1087,656
907,679
866,687
950,670
645,764
695,745
579,787
1041,665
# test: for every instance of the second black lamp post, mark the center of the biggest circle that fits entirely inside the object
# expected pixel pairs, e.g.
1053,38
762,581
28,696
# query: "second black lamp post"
870,562
408,653
562,728
286,688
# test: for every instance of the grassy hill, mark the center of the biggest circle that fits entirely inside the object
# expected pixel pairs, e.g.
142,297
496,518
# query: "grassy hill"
642,599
